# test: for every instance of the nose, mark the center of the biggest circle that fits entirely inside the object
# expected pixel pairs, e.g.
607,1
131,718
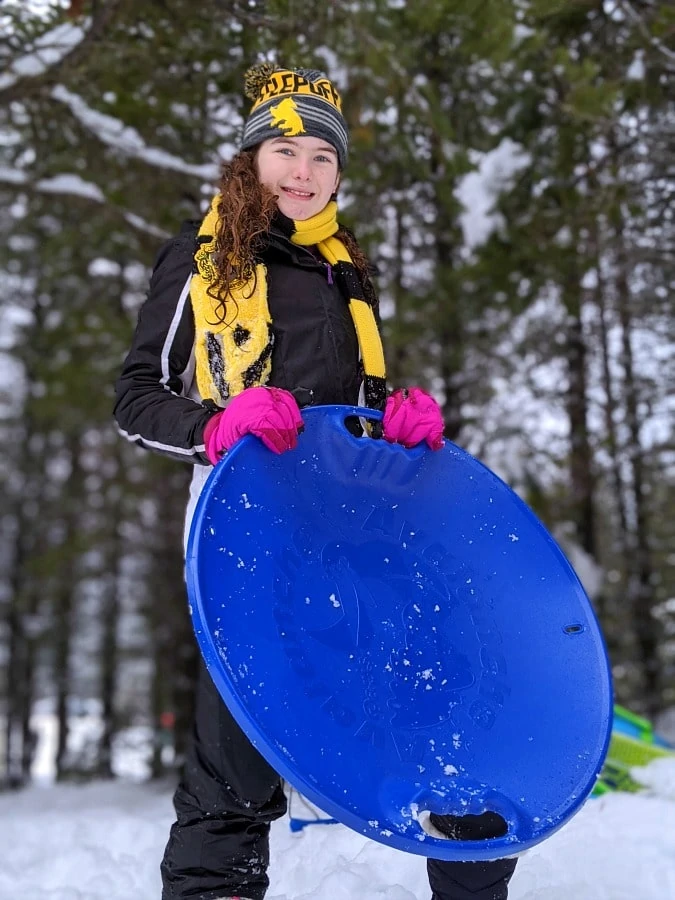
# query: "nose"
302,169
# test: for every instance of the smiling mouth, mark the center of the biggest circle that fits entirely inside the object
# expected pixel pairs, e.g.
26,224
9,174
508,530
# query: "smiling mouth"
300,195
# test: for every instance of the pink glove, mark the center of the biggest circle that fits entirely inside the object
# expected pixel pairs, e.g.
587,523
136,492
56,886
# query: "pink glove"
271,414
412,416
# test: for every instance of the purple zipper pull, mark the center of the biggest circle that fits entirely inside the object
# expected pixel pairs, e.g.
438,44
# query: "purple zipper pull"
329,273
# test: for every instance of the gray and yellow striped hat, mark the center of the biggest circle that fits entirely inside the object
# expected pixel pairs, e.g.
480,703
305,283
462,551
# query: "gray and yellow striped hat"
294,102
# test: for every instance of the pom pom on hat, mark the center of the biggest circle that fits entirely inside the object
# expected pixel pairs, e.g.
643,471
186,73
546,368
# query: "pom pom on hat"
293,102
256,78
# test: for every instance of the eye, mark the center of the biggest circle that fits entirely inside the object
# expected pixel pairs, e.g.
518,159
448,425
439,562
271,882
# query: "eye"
285,150
322,158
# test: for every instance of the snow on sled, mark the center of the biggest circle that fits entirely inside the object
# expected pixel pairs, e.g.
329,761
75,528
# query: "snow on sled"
398,634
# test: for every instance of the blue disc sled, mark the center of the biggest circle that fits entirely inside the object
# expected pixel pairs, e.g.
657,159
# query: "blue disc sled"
398,634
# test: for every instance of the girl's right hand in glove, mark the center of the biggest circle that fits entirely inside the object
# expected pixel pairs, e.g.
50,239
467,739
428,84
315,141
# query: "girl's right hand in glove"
271,414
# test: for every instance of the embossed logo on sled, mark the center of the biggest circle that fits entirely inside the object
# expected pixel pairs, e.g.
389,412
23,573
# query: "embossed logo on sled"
400,620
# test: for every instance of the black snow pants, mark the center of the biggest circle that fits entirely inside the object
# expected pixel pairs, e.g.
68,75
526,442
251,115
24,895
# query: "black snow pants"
225,802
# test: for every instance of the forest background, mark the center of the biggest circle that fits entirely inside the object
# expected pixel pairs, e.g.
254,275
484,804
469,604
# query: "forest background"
512,176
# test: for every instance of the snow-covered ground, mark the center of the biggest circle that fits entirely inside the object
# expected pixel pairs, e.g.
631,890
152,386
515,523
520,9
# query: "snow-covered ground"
104,842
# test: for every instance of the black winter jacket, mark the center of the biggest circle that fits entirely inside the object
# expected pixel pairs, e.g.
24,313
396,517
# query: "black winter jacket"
315,355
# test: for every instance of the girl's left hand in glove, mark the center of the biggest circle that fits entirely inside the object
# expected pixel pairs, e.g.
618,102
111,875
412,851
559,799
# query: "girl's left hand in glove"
412,416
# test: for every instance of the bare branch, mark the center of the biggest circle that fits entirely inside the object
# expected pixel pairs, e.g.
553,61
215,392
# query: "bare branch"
643,27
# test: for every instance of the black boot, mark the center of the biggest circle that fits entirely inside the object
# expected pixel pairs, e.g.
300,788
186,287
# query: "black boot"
470,880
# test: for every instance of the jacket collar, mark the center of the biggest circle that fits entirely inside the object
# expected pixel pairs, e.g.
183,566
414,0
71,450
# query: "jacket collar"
279,241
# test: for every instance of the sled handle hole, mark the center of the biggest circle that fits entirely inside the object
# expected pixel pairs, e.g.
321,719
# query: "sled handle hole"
480,827
355,426
576,628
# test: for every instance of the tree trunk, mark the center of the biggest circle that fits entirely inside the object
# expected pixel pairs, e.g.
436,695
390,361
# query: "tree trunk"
597,232
19,743
15,643
582,480
450,331
621,548
109,617
612,440
397,351
641,592
157,707
28,735
64,608
174,647
110,613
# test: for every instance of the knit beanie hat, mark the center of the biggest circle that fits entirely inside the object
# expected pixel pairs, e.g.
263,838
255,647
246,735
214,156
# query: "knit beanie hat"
293,102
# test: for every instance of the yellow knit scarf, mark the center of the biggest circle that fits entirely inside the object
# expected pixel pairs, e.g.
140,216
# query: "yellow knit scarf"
235,355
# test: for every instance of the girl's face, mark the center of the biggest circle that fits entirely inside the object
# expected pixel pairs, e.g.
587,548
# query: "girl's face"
302,172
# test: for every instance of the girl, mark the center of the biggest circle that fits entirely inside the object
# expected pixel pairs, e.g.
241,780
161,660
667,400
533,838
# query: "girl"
265,308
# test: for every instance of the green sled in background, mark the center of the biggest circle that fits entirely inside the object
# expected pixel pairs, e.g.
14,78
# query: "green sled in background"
633,743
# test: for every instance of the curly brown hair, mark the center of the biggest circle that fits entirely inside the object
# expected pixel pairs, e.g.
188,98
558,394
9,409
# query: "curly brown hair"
245,212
